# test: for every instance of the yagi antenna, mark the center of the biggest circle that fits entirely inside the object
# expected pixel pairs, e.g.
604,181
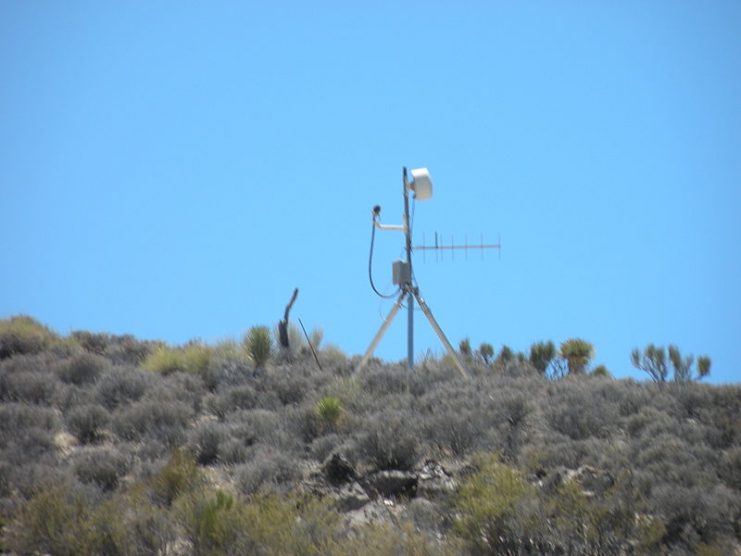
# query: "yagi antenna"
441,247
403,277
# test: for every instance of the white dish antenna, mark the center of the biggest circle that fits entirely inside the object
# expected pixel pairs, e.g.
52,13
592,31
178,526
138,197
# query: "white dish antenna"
421,184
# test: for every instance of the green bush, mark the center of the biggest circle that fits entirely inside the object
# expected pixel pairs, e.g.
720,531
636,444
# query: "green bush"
55,521
601,371
259,345
387,540
541,355
179,476
329,410
494,508
577,354
191,358
464,348
22,334
486,351
217,523
211,522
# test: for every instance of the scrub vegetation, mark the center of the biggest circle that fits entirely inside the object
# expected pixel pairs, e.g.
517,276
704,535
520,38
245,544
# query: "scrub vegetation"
111,445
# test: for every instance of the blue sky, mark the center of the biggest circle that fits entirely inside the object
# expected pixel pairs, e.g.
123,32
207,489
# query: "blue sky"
174,169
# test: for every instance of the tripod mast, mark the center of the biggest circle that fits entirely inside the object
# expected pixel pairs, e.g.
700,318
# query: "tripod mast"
408,285
421,185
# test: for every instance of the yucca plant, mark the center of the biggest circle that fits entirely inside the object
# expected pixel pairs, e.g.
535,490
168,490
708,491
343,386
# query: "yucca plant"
329,410
259,345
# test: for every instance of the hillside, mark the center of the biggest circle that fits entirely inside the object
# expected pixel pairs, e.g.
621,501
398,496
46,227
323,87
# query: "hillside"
111,445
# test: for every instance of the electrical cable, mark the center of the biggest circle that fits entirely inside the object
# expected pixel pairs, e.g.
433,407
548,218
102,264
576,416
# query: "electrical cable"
370,266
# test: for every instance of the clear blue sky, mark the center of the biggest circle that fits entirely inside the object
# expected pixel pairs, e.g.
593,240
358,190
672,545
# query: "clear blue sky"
174,169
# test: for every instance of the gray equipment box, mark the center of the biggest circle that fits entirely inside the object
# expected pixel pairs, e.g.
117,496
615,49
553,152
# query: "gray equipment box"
400,273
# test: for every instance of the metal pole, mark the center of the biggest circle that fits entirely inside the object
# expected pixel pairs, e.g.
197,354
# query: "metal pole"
408,286
381,331
440,333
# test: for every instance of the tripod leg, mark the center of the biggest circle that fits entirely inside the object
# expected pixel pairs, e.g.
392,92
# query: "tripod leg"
382,330
440,333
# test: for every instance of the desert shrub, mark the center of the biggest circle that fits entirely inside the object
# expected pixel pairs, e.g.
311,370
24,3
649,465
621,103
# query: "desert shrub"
287,386
242,397
69,396
381,539
431,375
30,475
455,429
386,380
101,466
121,386
269,469
208,439
460,418
730,468
55,521
332,357
24,335
26,386
211,522
541,355
573,412
260,426
649,418
217,523
427,516
194,358
486,352
178,387
668,458
577,353
130,525
30,445
82,369
329,410
68,519
506,355
495,508
561,451
233,451
127,350
259,345
581,525
163,421
321,448
86,422
345,389
601,371
692,515
388,441
177,477
15,418
261,423
93,342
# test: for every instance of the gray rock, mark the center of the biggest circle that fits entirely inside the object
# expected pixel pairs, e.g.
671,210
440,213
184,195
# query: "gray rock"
394,483
433,481
338,470
350,497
